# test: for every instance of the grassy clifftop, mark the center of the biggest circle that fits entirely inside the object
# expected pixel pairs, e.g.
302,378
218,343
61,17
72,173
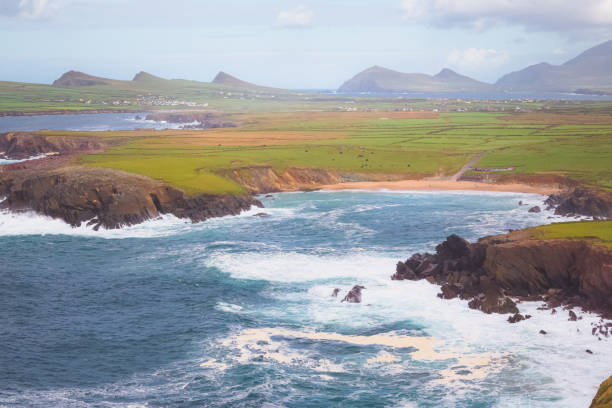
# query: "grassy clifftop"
599,232
603,398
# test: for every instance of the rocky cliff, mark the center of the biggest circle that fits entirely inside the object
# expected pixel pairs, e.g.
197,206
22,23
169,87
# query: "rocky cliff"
582,201
108,198
20,145
494,269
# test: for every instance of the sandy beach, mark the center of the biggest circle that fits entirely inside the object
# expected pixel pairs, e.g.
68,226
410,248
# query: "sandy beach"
444,185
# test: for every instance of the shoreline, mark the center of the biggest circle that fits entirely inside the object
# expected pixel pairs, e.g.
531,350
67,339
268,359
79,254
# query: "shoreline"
5,114
443,185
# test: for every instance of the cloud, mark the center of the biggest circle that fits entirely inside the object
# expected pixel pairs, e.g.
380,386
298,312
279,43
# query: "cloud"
472,58
534,15
299,17
29,9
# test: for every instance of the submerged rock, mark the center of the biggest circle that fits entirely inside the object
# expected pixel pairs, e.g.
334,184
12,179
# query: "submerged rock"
354,295
517,317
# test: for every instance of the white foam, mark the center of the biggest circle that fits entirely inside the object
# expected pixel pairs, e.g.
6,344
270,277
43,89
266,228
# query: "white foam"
387,302
10,161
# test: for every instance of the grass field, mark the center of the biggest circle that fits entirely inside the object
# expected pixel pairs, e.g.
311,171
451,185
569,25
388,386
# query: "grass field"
409,144
594,231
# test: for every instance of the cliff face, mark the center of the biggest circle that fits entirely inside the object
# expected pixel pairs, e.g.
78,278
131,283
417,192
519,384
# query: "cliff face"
109,198
487,272
263,179
20,145
603,398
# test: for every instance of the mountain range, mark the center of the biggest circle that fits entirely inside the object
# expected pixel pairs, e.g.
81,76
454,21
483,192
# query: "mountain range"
589,72
222,80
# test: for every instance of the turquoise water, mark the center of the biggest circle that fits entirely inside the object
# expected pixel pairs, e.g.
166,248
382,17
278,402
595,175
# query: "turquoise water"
237,312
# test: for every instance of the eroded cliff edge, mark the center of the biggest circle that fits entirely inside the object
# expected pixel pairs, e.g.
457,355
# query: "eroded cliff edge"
492,271
108,198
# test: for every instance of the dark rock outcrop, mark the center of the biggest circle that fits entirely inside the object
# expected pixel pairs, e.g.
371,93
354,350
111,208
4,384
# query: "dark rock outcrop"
193,120
582,201
570,272
517,317
109,198
354,295
20,145
535,209
603,398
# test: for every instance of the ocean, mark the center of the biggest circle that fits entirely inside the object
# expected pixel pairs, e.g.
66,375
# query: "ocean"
83,122
238,312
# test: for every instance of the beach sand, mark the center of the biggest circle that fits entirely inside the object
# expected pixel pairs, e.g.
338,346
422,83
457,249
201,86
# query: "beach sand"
443,185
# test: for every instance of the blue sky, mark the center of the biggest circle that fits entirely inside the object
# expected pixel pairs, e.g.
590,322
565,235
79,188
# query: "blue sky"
292,44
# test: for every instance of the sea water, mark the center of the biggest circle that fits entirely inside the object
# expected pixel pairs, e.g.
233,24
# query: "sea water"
238,312
83,122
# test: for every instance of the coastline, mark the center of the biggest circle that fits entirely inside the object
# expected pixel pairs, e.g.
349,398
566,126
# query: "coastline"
443,185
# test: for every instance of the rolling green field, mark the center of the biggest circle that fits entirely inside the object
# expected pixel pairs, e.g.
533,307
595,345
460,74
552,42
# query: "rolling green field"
594,231
410,145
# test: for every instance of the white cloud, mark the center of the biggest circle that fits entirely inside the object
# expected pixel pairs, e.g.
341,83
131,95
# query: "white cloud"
475,58
298,17
29,9
38,9
559,51
532,14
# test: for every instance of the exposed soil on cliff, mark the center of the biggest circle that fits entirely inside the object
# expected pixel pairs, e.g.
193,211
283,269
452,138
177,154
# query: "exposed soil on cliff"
264,179
490,271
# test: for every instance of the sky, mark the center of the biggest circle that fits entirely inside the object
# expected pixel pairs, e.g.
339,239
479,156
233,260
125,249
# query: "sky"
305,44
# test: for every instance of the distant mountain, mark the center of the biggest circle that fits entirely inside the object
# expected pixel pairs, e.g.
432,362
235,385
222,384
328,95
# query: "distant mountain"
76,78
379,79
224,78
591,70
146,77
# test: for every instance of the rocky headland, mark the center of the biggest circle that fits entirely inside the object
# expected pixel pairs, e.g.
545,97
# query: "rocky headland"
579,201
21,145
495,272
108,198
56,187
